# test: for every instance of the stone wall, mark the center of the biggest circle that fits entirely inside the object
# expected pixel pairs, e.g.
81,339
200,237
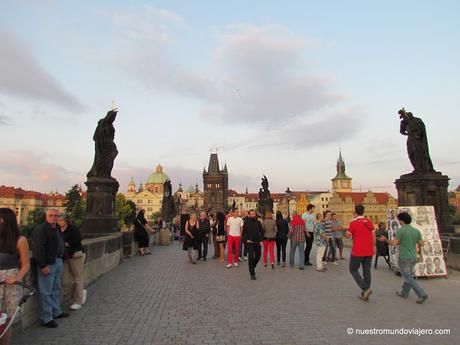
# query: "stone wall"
103,254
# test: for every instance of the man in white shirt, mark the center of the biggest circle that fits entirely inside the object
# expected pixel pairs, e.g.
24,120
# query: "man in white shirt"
234,225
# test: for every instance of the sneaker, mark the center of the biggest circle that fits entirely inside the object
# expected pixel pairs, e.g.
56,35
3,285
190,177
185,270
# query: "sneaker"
85,294
235,264
335,263
229,266
75,306
240,259
421,300
62,315
50,324
400,294
246,258
253,277
366,294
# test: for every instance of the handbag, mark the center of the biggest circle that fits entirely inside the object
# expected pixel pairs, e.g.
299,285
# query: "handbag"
220,238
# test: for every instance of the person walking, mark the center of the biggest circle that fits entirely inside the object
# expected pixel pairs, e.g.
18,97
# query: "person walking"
297,235
141,233
321,243
269,227
192,239
235,226
74,260
337,232
329,255
282,230
253,235
14,265
204,229
310,219
220,235
48,250
361,230
408,238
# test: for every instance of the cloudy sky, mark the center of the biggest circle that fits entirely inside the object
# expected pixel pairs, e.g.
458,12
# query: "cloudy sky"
276,87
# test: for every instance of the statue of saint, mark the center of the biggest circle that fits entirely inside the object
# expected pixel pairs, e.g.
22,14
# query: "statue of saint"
417,143
105,148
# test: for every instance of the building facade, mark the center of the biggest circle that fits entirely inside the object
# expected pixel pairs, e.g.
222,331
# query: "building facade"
215,183
22,202
149,198
343,200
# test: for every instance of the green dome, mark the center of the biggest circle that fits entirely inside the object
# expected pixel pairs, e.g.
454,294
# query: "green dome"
158,177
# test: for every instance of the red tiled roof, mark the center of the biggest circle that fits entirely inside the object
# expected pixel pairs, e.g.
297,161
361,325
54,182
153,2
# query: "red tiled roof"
19,193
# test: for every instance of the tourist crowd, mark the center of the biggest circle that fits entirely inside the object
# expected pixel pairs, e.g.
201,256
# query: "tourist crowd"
251,236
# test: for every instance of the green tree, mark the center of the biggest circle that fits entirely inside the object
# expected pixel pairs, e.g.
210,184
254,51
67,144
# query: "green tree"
75,205
123,209
131,217
34,218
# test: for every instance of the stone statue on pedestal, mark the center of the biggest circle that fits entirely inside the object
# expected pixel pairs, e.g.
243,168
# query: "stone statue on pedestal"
168,211
424,186
265,200
102,187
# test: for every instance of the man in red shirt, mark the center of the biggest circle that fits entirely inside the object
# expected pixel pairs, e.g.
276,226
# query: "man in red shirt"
361,230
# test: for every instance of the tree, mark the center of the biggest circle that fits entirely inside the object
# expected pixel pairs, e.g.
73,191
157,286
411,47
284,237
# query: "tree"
34,218
123,209
130,218
75,205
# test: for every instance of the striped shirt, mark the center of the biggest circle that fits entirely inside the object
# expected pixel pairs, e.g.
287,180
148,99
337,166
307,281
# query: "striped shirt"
328,224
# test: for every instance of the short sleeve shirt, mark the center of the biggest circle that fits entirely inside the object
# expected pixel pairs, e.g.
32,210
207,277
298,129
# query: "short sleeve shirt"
309,218
408,236
234,226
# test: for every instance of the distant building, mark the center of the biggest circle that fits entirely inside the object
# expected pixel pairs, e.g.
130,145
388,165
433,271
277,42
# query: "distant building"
215,182
149,198
343,199
454,199
191,200
22,202
341,182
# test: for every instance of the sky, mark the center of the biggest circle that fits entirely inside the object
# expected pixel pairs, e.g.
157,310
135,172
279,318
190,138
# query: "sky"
277,88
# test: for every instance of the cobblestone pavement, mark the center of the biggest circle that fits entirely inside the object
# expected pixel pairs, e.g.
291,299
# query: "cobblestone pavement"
163,299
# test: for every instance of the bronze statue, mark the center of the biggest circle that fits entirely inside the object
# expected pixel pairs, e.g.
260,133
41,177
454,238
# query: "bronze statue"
417,143
265,200
105,148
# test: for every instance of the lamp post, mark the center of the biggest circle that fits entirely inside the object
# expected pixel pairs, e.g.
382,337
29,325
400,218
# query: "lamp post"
288,197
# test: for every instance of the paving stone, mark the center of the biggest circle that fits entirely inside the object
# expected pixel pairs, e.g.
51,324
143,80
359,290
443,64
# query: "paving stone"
163,299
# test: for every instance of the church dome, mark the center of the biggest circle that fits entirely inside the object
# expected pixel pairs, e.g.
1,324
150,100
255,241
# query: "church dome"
158,177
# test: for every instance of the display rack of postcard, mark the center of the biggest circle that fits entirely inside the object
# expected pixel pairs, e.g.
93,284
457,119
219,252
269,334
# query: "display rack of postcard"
430,262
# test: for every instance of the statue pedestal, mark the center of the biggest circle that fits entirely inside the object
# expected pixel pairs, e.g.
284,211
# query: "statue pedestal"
424,190
100,211
265,205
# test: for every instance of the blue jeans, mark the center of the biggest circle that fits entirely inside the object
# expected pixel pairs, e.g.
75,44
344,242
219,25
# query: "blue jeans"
49,288
406,267
294,245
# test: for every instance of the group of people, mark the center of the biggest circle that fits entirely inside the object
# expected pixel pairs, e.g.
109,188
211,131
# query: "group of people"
56,245
246,235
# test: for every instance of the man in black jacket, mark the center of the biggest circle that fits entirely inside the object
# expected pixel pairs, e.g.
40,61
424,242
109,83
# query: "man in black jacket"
253,235
48,251
204,227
